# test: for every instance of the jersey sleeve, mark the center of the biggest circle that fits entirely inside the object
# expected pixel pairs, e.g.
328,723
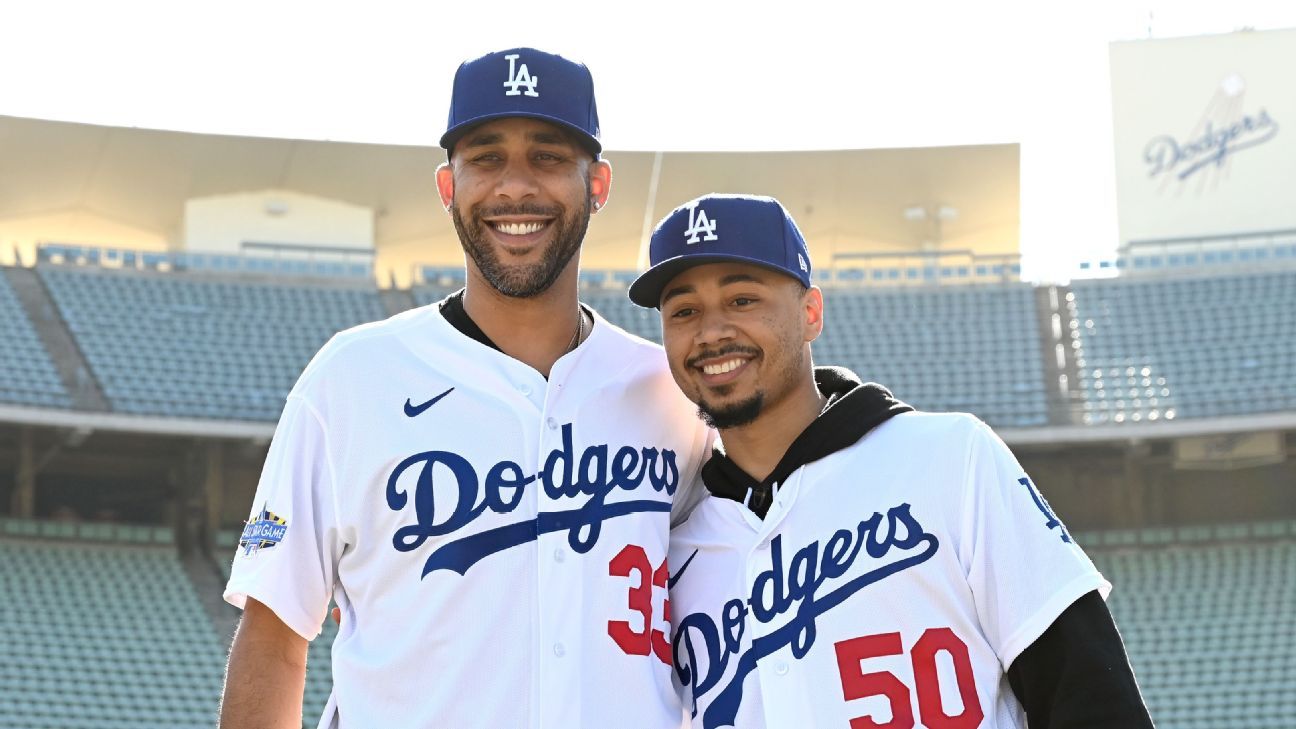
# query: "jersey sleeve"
287,554
1023,567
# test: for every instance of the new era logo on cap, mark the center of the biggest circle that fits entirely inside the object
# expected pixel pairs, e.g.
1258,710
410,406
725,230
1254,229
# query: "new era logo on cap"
756,230
508,84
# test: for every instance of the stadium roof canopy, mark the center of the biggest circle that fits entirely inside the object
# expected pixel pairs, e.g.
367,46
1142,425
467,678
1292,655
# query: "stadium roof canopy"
138,180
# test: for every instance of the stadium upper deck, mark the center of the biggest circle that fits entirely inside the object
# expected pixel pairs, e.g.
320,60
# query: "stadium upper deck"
217,340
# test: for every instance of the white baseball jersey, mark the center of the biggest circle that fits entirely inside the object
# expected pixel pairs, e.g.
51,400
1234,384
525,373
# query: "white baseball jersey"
496,542
891,584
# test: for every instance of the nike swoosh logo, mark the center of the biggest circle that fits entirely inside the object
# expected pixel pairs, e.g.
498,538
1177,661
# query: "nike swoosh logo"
670,583
413,411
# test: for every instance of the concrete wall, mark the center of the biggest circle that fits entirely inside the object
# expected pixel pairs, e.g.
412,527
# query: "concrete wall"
223,223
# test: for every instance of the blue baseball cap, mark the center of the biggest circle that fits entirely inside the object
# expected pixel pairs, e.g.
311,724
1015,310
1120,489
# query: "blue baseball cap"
528,83
716,228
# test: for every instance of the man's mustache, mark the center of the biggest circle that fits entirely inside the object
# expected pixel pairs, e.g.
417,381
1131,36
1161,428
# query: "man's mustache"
731,349
549,211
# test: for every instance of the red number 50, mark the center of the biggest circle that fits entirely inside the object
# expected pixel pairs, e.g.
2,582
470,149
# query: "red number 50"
633,558
857,685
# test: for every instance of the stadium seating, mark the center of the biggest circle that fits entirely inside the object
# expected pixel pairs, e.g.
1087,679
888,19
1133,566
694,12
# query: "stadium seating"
1192,257
1146,348
617,308
440,277
1193,347
27,374
972,349
1209,623
269,260
185,345
101,635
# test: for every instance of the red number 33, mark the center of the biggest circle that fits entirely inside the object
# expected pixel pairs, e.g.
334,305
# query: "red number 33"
633,558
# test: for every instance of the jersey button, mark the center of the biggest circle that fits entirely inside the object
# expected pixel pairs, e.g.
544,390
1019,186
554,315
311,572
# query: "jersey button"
553,424
559,650
524,388
781,668
560,555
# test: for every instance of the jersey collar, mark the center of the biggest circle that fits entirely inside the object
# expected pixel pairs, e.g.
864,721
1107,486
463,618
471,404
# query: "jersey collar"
854,408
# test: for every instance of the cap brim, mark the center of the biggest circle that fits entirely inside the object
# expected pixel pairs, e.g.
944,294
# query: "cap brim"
453,134
646,290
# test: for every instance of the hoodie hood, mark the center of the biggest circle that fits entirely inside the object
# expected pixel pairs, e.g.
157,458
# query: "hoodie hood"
854,408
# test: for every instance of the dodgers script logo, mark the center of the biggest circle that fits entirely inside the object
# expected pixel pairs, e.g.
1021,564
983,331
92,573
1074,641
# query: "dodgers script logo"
1221,132
790,591
520,76
595,473
1168,156
699,223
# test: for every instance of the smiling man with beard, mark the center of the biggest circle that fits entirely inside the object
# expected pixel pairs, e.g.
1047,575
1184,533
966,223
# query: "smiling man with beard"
483,485
856,563
522,221
520,192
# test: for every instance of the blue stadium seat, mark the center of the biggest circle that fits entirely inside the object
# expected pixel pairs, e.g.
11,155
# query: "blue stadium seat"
27,374
1186,347
188,345
120,638
1193,610
966,348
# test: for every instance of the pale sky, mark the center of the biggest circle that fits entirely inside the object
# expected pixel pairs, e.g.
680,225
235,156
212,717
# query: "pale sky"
669,75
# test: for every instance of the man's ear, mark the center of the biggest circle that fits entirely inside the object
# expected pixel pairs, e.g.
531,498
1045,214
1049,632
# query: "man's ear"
445,184
813,307
600,179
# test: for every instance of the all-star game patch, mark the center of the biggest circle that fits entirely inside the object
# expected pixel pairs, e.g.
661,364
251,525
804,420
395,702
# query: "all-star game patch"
264,532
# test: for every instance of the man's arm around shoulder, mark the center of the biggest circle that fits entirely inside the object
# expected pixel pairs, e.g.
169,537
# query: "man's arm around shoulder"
266,675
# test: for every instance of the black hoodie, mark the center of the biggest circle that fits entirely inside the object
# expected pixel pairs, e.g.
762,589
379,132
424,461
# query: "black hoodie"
1075,675
853,410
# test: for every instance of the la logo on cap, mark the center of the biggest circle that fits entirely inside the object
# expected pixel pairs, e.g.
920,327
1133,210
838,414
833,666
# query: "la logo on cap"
699,223
520,76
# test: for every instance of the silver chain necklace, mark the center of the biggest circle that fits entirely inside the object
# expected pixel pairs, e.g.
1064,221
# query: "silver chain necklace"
580,330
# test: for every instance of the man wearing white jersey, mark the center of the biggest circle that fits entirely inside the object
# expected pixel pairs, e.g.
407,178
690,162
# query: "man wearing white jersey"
856,564
483,485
